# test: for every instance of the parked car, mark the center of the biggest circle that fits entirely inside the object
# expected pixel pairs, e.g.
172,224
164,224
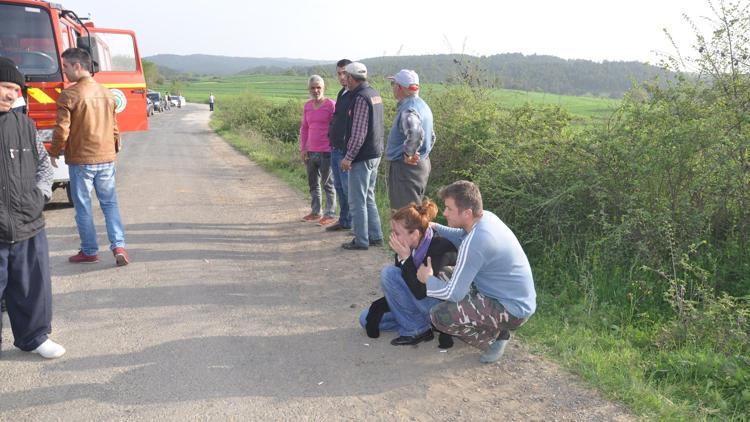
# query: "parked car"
177,100
149,107
155,98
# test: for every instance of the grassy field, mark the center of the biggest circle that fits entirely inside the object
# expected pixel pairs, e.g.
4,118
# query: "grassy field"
280,88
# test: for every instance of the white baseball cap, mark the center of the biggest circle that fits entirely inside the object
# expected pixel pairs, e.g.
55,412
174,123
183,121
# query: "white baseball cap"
356,68
406,78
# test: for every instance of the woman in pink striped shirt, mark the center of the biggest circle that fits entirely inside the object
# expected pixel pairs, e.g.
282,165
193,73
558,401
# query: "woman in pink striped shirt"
315,150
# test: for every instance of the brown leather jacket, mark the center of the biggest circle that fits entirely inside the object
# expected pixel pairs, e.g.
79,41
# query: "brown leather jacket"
86,125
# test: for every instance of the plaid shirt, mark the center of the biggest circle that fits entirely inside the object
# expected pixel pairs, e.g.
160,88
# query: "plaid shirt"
359,128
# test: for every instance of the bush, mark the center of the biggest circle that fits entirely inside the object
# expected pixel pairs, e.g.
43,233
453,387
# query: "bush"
280,122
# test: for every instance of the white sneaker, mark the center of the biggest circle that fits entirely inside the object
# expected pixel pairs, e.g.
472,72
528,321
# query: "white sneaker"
49,349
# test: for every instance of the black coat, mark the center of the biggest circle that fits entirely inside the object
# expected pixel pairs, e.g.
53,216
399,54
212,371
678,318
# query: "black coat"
21,202
443,255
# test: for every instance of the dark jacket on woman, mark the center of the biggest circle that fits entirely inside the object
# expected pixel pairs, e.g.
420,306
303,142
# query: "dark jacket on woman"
443,255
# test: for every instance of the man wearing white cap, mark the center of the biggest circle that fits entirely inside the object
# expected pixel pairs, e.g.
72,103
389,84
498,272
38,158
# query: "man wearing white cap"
409,142
364,148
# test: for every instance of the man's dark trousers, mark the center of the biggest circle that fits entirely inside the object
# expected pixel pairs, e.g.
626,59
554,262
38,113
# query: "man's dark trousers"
25,281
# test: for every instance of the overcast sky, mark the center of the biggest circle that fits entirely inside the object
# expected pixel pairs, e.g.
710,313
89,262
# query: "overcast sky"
332,29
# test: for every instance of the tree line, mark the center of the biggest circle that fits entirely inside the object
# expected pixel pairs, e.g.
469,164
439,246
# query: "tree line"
511,71
539,73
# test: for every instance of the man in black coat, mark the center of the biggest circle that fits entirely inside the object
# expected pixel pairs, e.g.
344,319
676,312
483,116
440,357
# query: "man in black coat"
26,184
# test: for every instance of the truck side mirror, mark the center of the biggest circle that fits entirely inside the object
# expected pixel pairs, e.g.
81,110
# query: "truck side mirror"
83,42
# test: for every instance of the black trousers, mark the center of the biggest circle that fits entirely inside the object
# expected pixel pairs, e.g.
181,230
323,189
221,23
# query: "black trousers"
25,282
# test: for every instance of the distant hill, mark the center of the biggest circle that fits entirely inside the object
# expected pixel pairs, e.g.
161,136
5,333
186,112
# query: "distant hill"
511,71
224,65
526,73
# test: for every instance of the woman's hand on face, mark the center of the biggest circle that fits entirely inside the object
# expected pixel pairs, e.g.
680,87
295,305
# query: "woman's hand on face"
401,250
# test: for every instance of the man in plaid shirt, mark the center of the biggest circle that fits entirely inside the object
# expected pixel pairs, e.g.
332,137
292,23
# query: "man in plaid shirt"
364,148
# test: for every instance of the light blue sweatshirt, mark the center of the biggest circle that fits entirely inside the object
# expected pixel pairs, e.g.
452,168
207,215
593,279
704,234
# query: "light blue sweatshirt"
490,257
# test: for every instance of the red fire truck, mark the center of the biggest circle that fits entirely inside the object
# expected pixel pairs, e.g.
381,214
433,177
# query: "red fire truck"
34,33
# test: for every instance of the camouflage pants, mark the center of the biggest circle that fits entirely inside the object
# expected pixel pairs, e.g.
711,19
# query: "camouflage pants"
476,319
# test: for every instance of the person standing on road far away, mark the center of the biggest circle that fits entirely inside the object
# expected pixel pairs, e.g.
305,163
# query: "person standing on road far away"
364,147
87,131
409,142
491,290
211,100
337,135
315,150
25,280
405,307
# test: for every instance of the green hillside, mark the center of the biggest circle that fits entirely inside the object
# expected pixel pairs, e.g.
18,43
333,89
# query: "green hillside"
539,73
280,88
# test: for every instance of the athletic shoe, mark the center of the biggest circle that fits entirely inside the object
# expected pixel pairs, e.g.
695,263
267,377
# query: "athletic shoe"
121,256
495,352
82,258
311,217
326,220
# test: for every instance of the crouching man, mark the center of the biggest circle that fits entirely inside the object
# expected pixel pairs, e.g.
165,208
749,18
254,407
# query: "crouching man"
24,256
491,291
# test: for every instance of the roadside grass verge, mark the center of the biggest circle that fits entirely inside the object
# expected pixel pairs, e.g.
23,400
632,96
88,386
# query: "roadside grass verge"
603,357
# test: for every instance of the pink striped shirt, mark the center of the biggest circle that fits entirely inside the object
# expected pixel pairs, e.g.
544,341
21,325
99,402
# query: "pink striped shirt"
313,131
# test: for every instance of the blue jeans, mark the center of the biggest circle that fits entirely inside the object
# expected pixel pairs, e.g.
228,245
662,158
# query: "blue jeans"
341,183
409,315
100,177
364,211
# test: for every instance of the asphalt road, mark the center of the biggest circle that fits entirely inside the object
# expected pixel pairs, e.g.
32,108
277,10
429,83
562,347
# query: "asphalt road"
234,309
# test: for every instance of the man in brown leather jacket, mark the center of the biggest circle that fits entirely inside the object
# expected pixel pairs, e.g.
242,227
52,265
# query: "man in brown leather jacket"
87,131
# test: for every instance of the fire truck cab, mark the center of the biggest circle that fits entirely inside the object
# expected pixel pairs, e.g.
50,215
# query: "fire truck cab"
34,33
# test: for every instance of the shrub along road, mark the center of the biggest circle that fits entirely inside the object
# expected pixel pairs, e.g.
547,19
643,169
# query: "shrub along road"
232,307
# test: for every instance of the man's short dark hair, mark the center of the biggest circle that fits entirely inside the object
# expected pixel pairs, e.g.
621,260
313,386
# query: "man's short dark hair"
343,62
465,194
78,55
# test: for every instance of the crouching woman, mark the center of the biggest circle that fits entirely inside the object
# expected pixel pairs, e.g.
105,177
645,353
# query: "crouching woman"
405,307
